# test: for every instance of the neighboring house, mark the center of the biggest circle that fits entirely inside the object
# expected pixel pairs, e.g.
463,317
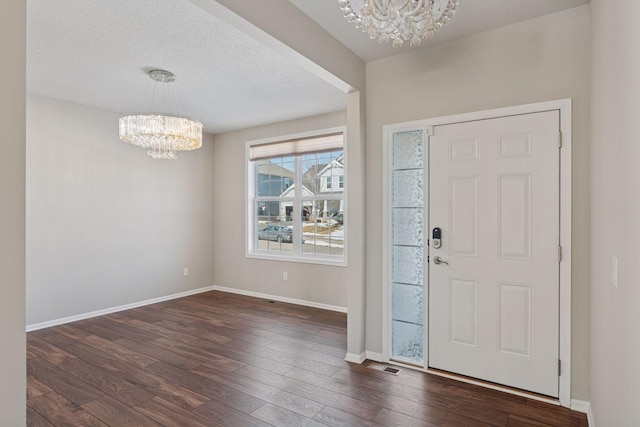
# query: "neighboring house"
310,177
332,181
286,207
272,180
332,176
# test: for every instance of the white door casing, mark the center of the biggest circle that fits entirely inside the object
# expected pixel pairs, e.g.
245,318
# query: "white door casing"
493,309
426,126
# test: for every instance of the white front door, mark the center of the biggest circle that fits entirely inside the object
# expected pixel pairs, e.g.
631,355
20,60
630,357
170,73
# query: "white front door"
494,297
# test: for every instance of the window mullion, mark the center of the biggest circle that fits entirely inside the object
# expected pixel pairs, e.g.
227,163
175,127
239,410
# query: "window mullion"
297,207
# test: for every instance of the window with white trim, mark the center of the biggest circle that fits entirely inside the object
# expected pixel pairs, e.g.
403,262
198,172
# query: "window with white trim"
294,211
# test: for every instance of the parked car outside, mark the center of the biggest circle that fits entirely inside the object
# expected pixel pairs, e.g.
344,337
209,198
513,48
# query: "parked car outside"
278,233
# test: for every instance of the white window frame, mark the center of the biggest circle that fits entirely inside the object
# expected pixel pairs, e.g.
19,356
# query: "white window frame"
251,240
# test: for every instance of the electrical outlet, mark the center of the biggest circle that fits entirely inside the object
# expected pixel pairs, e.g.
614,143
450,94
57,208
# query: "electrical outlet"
614,271
285,276
186,272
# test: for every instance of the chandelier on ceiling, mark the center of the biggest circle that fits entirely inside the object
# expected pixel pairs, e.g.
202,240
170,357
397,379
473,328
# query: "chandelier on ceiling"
399,20
162,135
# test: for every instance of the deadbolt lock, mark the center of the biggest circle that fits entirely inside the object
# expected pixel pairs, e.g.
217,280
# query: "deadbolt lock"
436,236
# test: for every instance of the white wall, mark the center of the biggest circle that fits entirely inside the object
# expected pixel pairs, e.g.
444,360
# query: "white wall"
12,224
106,224
615,212
309,282
312,48
537,60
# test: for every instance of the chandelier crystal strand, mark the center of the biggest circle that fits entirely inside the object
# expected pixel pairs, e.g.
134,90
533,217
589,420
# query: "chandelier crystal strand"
399,20
162,135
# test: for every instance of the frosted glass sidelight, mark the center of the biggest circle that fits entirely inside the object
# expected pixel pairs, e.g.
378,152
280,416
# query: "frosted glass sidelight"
407,341
408,227
408,265
408,188
407,251
408,150
408,303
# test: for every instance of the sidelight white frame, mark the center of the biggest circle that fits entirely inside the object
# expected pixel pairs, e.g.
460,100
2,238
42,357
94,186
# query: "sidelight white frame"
564,108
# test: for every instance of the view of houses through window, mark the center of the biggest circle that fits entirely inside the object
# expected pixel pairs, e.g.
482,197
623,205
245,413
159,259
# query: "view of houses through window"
299,204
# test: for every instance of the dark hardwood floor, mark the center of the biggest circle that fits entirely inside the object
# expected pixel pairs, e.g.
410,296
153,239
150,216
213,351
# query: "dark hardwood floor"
218,359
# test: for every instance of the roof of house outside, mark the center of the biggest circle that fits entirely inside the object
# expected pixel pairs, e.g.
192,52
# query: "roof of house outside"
291,191
314,170
337,163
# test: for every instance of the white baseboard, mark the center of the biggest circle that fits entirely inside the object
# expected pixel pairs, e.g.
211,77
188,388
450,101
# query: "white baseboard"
584,407
360,358
83,316
281,299
372,355
355,358
75,318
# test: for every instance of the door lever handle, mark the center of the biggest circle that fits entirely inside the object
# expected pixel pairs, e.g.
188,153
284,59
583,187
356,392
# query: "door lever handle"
437,260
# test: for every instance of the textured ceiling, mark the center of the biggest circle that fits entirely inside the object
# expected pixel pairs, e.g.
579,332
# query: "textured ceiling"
473,16
97,53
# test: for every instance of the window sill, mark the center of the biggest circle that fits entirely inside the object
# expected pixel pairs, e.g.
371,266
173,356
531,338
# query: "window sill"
334,262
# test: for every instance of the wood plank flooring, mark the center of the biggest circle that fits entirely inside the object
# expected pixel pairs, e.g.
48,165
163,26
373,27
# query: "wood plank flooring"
218,359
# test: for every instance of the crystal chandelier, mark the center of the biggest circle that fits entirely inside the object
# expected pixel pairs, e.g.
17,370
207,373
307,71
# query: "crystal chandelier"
399,20
163,135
